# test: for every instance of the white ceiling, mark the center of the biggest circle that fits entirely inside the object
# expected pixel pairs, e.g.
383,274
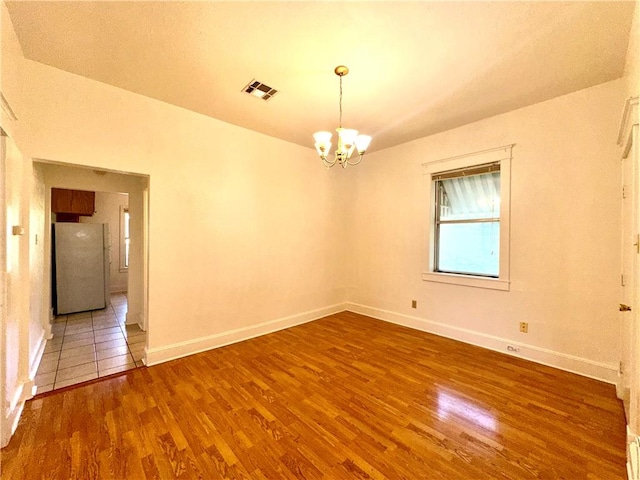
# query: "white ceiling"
416,67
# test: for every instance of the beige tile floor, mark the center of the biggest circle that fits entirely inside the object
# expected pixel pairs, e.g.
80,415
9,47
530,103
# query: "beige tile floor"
90,345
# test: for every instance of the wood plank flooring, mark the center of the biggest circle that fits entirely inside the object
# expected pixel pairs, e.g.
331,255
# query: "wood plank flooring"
344,397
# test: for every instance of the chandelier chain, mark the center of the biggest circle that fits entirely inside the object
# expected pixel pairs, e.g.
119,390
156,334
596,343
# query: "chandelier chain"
340,101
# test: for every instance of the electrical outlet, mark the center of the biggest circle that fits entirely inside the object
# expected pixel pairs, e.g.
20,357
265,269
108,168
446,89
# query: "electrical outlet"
524,327
621,368
414,304
511,348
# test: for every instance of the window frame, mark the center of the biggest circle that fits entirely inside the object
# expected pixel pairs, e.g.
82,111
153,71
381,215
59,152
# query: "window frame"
439,193
501,155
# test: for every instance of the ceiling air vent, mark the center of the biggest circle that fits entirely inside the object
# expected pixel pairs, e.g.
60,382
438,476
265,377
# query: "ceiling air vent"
259,90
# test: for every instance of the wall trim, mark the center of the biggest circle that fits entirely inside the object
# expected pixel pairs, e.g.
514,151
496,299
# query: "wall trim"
13,413
633,455
488,155
133,318
154,356
467,280
24,392
627,120
6,108
619,387
582,366
35,361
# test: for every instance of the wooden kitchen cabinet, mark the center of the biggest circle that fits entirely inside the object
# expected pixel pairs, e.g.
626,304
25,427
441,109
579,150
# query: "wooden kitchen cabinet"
78,202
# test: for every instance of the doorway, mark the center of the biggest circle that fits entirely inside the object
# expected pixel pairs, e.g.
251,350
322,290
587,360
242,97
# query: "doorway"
87,345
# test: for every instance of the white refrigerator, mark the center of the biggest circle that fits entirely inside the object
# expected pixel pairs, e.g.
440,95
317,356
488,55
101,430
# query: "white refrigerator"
80,266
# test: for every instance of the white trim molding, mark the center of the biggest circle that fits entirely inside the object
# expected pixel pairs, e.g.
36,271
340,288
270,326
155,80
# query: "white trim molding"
118,289
35,361
582,366
10,418
24,392
629,118
133,318
14,411
633,456
466,280
154,356
570,363
6,108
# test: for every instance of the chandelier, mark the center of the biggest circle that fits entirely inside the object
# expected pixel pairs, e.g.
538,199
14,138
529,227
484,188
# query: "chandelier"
348,139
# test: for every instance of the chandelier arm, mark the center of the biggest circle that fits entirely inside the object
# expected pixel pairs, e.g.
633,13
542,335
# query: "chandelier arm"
328,163
356,162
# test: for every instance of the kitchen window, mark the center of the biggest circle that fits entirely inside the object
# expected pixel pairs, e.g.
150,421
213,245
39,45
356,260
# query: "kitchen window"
468,231
124,239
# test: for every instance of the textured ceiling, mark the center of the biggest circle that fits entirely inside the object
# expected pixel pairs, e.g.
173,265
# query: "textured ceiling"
416,67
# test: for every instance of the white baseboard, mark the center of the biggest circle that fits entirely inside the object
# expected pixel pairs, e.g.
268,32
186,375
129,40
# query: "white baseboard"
35,360
11,417
24,392
620,387
633,455
582,366
133,318
153,356
117,289
48,333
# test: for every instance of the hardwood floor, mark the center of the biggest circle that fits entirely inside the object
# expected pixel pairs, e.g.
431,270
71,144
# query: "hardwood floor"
343,397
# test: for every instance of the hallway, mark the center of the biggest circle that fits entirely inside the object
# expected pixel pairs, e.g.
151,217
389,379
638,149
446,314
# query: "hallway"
89,345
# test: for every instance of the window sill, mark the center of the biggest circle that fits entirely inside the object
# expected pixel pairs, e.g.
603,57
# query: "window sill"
466,280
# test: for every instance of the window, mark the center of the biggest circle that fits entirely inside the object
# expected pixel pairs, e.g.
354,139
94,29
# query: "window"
467,221
124,239
468,241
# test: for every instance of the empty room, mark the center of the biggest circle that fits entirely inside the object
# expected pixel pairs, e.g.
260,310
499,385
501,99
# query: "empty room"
330,240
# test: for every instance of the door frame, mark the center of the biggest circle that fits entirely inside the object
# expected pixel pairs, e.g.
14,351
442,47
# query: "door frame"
628,386
82,177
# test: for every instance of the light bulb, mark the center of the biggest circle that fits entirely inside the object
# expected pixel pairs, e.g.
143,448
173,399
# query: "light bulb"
362,143
323,143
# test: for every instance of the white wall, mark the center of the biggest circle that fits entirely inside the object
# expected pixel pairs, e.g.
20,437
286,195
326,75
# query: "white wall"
245,231
632,64
22,334
11,72
565,230
17,331
107,210
38,315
